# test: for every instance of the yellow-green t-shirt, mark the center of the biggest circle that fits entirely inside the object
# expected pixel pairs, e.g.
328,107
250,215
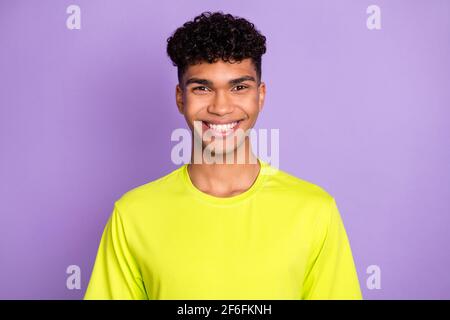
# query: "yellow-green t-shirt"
283,238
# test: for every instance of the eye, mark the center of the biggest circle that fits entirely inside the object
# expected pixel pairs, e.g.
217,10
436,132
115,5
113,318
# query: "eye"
201,89
240,87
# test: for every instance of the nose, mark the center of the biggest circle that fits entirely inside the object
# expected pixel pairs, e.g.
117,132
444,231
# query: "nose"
220,105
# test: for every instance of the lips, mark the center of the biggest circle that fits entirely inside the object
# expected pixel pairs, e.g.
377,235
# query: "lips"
221,129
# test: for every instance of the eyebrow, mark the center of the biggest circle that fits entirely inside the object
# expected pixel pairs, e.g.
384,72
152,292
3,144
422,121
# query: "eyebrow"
207,82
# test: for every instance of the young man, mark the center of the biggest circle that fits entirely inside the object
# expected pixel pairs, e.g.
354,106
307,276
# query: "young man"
221,230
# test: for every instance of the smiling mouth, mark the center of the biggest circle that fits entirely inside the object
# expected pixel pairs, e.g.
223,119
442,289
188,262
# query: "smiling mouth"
222,128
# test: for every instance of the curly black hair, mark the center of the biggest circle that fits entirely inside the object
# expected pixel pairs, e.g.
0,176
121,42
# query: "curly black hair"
213,36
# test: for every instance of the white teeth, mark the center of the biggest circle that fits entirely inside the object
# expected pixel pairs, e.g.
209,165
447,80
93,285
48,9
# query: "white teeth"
222,127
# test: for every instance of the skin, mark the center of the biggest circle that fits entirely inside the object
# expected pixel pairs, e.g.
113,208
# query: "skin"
222,92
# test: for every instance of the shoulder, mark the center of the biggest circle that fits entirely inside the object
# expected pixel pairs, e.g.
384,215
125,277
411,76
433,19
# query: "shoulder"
150,194
319,206
299,188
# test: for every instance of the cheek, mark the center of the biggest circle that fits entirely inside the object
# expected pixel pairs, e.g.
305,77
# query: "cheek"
191,114
190,110
251,107
194,104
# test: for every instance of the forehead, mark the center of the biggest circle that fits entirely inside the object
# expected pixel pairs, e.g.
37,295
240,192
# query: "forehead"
220,71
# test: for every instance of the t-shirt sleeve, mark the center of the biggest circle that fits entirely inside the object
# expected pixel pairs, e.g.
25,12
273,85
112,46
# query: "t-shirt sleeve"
115,275
331,272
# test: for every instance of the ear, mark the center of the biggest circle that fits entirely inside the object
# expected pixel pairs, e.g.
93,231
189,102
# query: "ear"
262,95
179,98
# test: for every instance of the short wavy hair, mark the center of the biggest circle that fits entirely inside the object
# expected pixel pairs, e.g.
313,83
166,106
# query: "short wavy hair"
213,36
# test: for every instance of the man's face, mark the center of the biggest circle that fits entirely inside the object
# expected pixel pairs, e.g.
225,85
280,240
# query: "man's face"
222,97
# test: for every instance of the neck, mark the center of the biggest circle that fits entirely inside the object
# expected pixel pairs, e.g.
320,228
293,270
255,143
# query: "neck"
225,179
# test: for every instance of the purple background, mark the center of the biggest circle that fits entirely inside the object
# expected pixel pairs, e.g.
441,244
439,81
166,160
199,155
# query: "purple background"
86,115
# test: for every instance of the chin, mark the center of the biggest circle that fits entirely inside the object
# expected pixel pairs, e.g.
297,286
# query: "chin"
218,149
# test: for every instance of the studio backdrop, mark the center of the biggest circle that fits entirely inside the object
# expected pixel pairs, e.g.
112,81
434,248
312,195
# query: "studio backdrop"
358,91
